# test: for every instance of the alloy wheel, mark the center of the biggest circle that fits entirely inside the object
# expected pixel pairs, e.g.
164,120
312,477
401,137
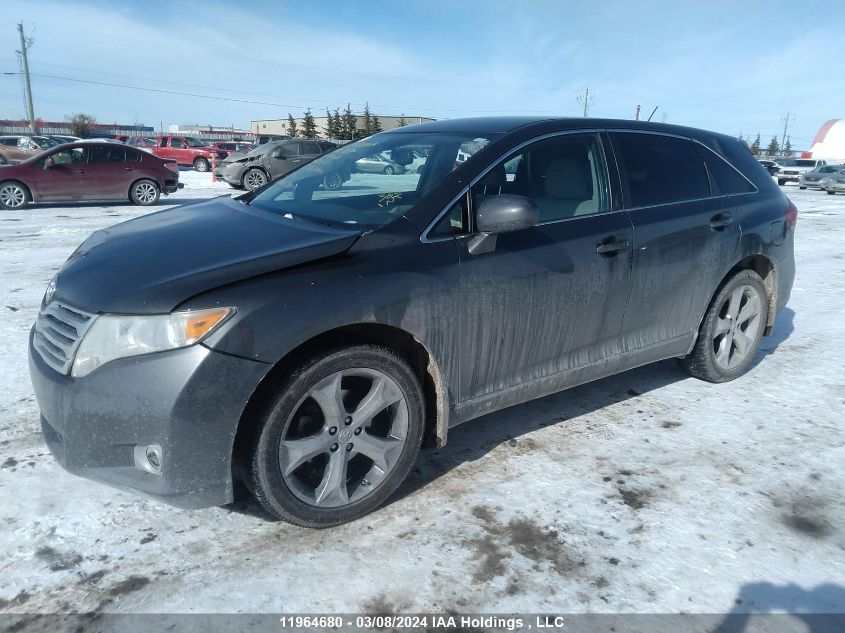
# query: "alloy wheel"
12,196
255,179
344,437
145,192
737,325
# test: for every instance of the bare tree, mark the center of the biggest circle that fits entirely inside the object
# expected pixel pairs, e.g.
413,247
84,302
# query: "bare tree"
81,124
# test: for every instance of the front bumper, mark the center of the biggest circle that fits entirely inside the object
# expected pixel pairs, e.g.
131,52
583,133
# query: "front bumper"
788,177
186,401
833,186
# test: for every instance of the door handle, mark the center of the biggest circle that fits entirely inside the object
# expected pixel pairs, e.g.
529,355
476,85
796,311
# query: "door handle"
128,169
610,246
720,221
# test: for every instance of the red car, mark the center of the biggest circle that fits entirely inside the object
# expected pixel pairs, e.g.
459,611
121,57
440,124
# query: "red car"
88,171
187,151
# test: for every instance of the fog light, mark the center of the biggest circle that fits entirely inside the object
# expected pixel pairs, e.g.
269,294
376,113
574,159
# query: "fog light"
149,458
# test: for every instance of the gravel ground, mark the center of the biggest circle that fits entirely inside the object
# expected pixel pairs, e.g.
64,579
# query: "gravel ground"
647,492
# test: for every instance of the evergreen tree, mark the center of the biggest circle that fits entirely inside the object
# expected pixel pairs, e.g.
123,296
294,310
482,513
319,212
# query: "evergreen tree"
350,123
774,147
291,126
329,124
338,124
787,149
376,125
367,128
755,146
309,127
402,122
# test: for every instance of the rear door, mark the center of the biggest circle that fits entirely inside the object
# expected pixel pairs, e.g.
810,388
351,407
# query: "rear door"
685,241
109,174
548,301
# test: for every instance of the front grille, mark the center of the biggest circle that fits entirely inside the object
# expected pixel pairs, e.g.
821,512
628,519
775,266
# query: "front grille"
811,178
58,330
791,173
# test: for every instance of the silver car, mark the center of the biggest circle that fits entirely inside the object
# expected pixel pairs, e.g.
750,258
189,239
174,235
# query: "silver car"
812,179
834,183
378,164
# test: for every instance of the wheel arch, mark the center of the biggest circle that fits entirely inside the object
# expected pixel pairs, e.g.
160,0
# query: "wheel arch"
260,168
409,348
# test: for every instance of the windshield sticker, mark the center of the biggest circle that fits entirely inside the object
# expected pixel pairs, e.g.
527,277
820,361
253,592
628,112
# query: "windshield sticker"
386,199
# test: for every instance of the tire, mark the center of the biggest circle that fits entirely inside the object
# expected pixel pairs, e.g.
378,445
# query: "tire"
781,182
303,494
718,355
14,195
801,187
254,178
389,171
830,193
144,192
202,164
333,181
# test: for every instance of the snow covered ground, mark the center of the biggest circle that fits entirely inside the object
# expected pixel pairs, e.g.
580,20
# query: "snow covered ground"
645,492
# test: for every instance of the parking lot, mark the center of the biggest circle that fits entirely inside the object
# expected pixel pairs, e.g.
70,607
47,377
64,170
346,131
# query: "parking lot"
645,492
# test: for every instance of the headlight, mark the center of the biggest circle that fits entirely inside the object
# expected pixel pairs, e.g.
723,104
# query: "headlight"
112,336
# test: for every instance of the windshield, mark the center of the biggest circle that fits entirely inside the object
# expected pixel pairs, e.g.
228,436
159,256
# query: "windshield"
192,142
370,182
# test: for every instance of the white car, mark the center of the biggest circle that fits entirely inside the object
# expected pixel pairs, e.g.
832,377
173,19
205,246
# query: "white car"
792,168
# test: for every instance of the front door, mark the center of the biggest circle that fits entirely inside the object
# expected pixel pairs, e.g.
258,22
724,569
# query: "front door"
546,305
67,178
285,158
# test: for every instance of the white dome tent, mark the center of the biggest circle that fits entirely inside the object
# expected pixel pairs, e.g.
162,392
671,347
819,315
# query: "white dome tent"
829,143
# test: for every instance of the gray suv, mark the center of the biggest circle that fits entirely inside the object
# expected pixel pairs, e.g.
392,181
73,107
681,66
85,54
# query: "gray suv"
272,160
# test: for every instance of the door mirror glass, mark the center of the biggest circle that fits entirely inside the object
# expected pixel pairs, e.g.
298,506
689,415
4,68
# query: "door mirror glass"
506,212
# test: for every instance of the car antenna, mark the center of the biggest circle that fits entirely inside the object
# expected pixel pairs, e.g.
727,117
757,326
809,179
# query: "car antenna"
652,113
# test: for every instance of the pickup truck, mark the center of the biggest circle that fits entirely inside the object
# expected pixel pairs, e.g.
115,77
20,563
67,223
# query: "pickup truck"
792,168
187,151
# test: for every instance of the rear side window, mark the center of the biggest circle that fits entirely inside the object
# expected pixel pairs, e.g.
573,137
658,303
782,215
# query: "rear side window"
658,169
106,154
310,148
132,156
724,179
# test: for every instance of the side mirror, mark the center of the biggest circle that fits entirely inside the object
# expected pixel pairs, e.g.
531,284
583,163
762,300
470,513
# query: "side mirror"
501,214
49,162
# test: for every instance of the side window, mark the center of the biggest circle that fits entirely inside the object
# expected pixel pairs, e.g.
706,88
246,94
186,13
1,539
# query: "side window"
132,156
176,142
163,142
106,154
724,179
74,155
310,148
658,169
291,149
455,222
564,175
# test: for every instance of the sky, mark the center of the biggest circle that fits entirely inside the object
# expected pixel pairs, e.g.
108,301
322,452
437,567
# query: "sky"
734,67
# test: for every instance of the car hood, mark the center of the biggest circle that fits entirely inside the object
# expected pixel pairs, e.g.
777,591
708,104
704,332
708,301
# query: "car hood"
153,263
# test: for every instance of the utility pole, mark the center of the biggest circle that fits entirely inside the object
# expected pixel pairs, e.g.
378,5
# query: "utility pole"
27,88
637,116
785,122
586,100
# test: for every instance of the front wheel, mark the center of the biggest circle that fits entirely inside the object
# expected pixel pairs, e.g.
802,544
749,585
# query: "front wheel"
731,330
201,164
339,438
254,178
144,192
13,195
781,182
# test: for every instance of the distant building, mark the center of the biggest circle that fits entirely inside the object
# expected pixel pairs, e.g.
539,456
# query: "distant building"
8,126
829,142
280,126
209,132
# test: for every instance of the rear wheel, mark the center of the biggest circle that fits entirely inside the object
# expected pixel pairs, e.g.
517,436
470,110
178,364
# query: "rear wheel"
14,195
731,330
339,438
389,171
202,164
830,193
802,187
144,192
254,178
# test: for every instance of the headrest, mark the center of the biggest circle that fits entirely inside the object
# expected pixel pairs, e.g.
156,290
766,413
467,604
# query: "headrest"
568,178
494,180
